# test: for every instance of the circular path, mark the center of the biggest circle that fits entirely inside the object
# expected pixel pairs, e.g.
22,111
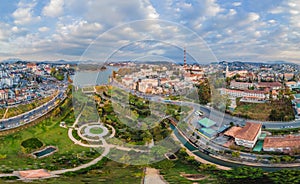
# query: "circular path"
88,132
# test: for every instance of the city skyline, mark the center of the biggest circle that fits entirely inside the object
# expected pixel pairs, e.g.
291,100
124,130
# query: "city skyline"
229,30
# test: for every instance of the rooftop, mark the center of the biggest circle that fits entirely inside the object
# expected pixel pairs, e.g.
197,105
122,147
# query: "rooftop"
269,84
208,132
248,132
297,95
282,142
205,122
232,132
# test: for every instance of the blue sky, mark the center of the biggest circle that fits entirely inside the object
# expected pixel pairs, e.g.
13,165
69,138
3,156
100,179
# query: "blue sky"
98,30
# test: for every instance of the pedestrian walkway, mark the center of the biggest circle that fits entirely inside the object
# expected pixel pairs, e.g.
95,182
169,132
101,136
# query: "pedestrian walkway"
153,177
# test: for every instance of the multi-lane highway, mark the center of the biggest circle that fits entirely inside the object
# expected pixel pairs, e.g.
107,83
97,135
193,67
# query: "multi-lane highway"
29,116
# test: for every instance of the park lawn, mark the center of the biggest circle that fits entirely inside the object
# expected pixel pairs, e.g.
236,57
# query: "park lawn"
96,130
172,175
49,135
107,172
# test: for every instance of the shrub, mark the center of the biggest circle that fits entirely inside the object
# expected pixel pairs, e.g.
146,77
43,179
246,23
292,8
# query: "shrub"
32,143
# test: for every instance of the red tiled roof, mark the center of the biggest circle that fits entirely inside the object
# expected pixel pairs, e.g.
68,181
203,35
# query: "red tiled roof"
269,84
232,131
282,142
248,132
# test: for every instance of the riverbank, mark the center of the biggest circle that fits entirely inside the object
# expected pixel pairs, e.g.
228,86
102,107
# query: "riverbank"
201,160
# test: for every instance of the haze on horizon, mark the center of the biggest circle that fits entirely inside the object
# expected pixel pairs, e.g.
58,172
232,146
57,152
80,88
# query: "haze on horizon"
229,30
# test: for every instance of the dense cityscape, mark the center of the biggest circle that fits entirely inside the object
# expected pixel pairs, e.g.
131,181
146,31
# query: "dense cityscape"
229,111
150,92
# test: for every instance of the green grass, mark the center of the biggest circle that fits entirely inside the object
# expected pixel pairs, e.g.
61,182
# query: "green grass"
103,172
50,133
172,170
96,130
262,111
32,143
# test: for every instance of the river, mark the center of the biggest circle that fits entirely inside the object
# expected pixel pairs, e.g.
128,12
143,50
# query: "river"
92,78
204,156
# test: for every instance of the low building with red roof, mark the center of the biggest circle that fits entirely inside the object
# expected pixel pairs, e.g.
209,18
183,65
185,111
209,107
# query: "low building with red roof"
245,136
282,143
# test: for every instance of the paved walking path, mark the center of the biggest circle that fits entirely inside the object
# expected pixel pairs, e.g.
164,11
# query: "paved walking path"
153,177
93,162
7,175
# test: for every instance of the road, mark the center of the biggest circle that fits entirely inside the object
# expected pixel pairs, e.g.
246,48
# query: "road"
27,117
225,119
221,117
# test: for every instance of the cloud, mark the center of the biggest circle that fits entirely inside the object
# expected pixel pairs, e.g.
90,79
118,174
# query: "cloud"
55,8
237,3
4,31
44,29
24,14
112,12
251,30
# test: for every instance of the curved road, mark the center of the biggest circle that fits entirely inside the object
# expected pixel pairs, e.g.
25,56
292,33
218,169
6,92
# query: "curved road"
210,112
27,117
226,118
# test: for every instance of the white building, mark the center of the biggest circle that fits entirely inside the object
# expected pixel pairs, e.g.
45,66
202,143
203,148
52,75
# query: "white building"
245,136
240,85
254,95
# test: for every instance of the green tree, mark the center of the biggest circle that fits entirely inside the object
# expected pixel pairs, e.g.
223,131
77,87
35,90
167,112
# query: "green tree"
243,173
204,92
235,154
285,176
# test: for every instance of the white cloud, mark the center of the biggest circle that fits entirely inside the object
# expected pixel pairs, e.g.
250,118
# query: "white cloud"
55,8
237,3
44,29
258,31
112,12
253,16
4,32
24,14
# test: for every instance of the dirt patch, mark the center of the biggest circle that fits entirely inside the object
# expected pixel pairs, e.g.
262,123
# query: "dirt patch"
194,177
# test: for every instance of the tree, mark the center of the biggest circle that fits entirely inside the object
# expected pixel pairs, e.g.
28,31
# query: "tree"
287,158
285,176
158,151
275,159
204,92
165,164
273,115
243,173
208,167
235,154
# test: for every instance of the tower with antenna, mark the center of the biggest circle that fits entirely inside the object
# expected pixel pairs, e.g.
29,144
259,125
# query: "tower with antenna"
184,58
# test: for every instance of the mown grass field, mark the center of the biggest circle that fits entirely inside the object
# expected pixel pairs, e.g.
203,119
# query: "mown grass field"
48,131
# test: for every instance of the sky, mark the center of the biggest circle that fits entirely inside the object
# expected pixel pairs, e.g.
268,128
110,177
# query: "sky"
100,30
